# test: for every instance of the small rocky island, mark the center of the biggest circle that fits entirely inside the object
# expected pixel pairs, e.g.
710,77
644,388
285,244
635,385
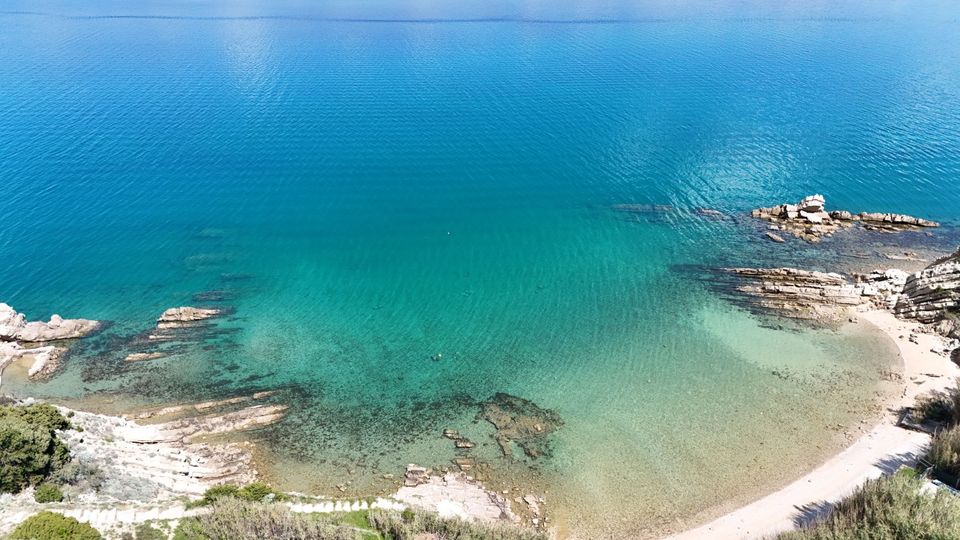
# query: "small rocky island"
809,220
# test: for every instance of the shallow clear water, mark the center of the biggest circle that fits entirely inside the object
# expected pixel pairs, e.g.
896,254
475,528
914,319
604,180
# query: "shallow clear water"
372,184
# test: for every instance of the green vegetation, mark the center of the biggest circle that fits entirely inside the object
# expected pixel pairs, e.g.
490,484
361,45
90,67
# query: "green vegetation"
232,518
944,452
51,526
406,525
889,508
29,448
145,531
47,493
84,476
255,492
944,455
936,408
235,519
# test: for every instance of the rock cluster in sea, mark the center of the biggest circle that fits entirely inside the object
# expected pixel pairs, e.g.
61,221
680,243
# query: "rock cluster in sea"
22,339
14,327
809,220
178,316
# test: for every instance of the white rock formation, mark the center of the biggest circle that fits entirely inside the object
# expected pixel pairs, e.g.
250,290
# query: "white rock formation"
14,327
809,220
929,294
454,495
178,317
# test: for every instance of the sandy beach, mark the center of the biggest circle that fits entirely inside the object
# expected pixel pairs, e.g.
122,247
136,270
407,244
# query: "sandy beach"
882,450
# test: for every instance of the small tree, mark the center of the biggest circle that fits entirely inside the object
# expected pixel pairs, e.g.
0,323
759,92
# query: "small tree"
28,453
47,493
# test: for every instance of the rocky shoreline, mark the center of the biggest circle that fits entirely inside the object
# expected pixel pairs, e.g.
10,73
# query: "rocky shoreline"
930,296
41,343
156,454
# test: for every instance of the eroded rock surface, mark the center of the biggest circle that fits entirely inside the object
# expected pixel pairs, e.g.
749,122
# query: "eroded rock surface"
933,293
520,421
453,495
135,469
45,359
19,339
15,327
801,294
809,220
183,430
179,316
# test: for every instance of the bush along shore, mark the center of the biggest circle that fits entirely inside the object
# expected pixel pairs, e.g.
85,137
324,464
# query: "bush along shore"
914,503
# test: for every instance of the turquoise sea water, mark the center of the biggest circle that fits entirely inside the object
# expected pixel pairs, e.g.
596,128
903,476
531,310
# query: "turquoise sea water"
369,185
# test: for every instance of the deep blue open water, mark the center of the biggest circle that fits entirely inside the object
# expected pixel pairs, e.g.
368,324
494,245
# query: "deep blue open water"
371,186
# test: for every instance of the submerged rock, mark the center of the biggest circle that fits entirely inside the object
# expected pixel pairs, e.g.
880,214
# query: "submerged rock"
141,356
522,422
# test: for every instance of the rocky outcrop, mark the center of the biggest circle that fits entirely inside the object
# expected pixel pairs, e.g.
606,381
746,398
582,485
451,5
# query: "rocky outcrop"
933,293
892,222
18,338
810,221
158,468
178,317
14,327
45,359
183,430
801,294
453,495
522,422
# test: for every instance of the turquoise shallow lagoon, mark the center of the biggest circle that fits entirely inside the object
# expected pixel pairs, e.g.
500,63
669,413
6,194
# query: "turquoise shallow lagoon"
407,208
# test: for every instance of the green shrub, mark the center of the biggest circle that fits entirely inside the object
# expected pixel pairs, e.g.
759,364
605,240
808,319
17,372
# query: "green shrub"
237,519
38,414
29,448
937,408
145,531
889,508
944,454
255,492
47,493
85,476
51,526
409,524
